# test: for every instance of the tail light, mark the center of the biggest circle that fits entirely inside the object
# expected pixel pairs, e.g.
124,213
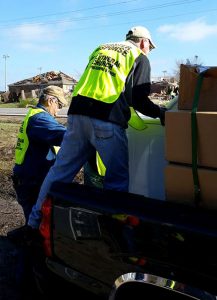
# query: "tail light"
45,226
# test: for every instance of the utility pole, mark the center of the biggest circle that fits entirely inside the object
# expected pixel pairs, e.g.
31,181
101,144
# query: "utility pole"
5,56
40,68
164,72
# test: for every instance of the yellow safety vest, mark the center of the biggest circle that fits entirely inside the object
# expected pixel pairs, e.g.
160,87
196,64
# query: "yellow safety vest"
100,165
22,140
107,70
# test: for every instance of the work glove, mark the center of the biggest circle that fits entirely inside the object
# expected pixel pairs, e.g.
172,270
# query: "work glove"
162,115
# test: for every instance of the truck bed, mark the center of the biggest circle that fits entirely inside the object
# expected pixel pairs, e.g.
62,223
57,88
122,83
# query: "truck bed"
97,236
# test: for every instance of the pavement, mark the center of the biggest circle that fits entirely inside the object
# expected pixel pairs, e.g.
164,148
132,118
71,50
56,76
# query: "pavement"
22,112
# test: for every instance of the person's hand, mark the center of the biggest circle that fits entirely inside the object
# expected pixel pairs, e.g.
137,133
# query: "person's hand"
162,115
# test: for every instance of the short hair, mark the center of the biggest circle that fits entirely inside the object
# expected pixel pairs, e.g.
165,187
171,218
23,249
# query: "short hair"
135,39
43,99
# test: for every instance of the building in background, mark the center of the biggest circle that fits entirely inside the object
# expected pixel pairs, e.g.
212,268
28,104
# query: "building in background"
31,87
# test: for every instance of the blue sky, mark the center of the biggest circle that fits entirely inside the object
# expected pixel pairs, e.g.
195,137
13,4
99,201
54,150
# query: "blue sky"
60,35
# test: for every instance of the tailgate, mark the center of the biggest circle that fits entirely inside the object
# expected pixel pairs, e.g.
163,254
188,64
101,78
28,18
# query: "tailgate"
105,234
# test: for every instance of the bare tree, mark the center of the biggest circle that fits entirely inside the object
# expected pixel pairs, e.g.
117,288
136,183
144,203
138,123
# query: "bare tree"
177,68
196,61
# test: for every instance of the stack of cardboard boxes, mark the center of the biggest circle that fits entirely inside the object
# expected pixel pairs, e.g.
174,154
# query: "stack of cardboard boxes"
178,174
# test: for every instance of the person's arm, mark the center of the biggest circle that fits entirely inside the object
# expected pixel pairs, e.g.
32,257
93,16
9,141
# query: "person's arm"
141,88
44,128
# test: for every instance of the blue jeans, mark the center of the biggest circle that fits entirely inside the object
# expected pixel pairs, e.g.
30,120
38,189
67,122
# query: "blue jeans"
83,137
26,194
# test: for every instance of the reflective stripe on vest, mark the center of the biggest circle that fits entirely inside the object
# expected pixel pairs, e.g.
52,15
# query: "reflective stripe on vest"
22,140
105,75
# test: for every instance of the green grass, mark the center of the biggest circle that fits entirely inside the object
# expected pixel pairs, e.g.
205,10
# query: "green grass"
9,105
21,103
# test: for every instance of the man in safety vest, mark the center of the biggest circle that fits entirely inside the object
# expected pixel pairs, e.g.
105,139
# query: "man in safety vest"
116,78
35,151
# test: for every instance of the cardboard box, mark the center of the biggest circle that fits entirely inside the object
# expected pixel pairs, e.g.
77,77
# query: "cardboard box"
187,86
179,185
178,141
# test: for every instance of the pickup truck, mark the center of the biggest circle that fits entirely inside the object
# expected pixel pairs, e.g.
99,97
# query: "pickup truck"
120,245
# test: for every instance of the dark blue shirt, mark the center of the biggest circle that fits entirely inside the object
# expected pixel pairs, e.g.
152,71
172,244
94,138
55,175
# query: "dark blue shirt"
43,132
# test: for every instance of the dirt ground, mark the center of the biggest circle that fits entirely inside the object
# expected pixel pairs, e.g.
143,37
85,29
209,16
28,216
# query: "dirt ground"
10,211
11,215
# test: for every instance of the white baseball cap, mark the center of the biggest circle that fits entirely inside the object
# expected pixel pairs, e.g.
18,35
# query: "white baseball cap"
140,32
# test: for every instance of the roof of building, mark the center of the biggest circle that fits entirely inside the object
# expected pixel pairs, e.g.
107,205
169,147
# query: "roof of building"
51,77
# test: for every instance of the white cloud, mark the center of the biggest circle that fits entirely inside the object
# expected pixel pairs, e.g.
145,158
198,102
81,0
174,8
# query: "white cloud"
38,37
42,47
193,31
31,32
